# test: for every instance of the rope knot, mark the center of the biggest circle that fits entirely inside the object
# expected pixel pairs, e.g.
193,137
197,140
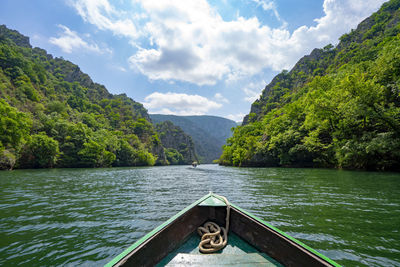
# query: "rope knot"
211,238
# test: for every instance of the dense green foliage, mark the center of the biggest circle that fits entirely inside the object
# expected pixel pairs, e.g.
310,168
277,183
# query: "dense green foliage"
174,157
179,146
338,107
209,133
53,115
40,152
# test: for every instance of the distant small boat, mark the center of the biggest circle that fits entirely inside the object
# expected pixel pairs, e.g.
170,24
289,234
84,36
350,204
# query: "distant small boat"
250,241
194,164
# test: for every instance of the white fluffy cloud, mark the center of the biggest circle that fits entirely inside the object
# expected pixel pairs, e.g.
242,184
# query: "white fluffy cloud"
189,41
105,17
340,17
179,104
193,43
70,40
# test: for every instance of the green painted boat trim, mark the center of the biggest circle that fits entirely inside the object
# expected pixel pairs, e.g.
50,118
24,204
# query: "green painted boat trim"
284,234
156,230
212,200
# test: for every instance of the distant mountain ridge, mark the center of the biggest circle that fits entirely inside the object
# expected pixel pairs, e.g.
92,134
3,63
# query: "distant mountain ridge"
209,133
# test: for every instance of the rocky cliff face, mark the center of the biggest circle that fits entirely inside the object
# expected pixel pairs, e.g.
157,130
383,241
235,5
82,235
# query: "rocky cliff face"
285,82
15,36
176,141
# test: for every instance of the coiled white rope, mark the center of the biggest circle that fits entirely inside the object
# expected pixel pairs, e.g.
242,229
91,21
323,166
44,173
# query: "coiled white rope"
211,238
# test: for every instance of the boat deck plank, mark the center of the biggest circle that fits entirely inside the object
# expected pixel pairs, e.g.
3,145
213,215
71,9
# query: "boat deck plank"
251,259
237,253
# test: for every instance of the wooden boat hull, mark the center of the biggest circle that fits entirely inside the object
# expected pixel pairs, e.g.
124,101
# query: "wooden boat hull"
166,238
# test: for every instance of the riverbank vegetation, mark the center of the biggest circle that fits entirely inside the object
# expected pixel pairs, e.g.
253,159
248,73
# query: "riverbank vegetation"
338,107
54,115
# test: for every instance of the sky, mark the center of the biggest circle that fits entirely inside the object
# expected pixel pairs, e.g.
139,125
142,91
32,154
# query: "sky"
193,57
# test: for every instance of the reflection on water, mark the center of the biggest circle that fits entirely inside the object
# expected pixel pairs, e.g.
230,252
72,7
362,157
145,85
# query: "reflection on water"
88,216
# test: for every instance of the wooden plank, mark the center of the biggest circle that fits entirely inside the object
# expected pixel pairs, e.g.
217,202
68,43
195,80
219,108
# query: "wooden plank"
250,259
236,247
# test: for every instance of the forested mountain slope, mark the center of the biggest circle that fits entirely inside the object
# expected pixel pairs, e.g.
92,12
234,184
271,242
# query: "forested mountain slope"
337,107
52,114
209,133
179,147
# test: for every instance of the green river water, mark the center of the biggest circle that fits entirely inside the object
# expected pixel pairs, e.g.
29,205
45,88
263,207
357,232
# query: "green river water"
87,216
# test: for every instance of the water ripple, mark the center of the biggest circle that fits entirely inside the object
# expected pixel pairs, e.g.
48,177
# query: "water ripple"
88,216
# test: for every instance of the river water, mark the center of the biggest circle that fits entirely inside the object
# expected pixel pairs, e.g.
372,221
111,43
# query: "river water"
88,216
